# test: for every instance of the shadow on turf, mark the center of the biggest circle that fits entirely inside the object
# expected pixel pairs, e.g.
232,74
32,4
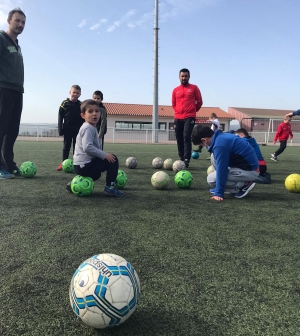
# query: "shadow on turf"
159,322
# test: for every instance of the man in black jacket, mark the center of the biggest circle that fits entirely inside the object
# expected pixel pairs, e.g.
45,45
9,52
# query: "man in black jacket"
11,91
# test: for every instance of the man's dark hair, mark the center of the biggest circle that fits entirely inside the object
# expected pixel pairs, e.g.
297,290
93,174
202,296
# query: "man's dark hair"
184,70
76,87
200,132
15,10
98,93
243,131
87,102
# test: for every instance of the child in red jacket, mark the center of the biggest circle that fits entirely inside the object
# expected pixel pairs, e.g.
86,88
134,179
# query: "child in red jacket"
283,133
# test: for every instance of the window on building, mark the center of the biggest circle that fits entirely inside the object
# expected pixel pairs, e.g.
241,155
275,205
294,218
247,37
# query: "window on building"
133,125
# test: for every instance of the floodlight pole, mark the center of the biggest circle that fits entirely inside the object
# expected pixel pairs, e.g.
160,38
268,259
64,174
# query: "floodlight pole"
155,76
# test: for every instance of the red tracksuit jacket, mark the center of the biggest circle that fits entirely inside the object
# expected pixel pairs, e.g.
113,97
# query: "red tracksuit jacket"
283,132
186,101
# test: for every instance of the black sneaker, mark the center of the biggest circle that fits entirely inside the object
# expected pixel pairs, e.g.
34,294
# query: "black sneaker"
186,162
245,189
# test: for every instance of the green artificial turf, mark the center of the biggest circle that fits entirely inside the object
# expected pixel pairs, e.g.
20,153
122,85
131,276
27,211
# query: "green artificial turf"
206,268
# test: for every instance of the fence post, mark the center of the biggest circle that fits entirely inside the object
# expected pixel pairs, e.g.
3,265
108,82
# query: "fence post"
37,133
146,137
113,135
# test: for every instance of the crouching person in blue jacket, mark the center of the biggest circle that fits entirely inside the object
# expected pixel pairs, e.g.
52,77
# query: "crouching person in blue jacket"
235,162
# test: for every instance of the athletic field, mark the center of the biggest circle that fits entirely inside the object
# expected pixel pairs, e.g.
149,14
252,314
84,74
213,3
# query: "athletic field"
206,268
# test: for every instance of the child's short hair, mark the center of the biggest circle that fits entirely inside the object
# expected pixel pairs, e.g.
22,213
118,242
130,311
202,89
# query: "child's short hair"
98,93
200,132
242,131
76,87
87,102
213,115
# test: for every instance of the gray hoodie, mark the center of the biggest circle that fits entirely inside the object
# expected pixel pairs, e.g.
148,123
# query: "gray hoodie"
11,64
88,145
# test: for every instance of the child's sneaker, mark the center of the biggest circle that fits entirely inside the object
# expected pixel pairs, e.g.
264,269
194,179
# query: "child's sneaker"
59,167
273,157
186,162
112,191
245,189
4,174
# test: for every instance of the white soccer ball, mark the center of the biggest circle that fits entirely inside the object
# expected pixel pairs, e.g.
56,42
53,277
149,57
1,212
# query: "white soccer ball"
157,163
160,180
168,164
178,165
210,170
104,291
131,162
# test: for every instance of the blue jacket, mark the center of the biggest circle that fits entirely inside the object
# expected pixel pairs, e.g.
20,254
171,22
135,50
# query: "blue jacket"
230,151
296,112
256,148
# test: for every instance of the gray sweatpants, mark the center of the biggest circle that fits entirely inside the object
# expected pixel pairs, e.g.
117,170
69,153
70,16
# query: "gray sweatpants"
235,179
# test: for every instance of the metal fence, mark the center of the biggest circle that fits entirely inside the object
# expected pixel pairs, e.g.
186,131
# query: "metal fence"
113,135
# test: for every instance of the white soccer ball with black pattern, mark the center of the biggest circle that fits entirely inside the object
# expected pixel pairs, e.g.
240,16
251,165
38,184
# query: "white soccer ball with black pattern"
104,291
160,180
178,165
131,162
157,163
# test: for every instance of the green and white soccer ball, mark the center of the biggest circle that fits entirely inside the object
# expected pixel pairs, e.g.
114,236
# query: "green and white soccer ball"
121,179
157,163
183,179
104,291
82,186
160,180
131,162
67,166
28,169
178,165
168,164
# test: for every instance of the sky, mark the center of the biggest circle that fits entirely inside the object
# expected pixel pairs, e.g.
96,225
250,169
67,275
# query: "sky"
240,53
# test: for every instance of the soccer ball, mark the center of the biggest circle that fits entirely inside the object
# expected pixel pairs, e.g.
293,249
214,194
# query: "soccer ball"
104,291
121,179
68,166
28,169
131,162
210,170
183,179
178,165
157,163
195,155
168,164
160,180
292,183
82,186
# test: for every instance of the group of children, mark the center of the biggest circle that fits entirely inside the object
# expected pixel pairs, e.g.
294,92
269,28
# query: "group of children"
237,158
84,125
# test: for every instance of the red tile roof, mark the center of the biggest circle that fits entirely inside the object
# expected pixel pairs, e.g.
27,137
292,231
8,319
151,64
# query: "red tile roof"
163,111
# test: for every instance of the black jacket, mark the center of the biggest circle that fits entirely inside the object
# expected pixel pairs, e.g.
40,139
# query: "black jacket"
69,116
11,64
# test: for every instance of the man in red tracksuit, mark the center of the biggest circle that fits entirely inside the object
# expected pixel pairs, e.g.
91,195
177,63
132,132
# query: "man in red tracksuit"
283,133
186,101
